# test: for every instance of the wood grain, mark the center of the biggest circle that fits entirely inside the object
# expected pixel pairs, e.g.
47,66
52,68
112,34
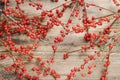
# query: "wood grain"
71,43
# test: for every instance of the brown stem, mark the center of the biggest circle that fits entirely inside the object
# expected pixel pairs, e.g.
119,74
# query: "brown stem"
71,12
106,69
59,6
101,7
114,22
85,17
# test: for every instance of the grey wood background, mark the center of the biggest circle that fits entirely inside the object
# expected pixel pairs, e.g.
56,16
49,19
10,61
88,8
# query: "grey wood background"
71,42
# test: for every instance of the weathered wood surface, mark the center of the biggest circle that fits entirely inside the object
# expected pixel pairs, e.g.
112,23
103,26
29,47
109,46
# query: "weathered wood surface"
71,42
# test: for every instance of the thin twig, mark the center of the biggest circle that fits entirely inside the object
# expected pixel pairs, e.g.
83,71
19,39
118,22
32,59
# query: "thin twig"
104,16
101,7
71,12
59,6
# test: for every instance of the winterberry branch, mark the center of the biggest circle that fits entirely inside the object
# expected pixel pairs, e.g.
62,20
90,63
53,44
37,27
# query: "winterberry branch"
59,6
100,7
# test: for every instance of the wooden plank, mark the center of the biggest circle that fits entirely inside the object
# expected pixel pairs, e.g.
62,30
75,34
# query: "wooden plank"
71,42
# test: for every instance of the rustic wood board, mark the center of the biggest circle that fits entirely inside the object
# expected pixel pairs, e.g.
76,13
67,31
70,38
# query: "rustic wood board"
71,42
